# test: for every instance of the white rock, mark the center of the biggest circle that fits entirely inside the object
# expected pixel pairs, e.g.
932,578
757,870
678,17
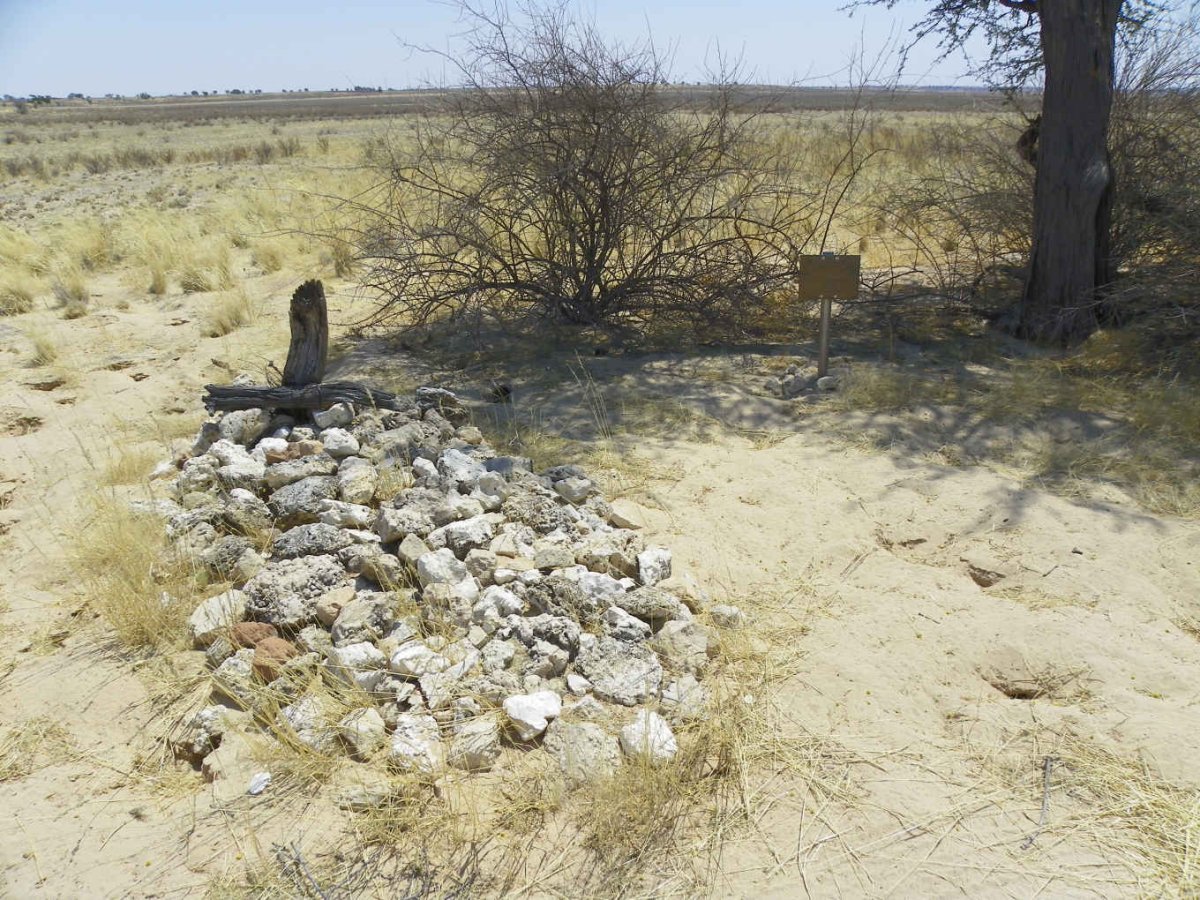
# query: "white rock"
416,659
337,415
460,468
495,604
215,615
531,713
441,566
684,699
577,684
623,626
599,588
654,565
415,743
339,443
575,490
274,445
363,731
476,746
649,737
307,719
259,782
357,663
462,536
423,468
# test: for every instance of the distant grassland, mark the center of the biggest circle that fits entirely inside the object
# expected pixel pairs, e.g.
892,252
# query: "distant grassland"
163,190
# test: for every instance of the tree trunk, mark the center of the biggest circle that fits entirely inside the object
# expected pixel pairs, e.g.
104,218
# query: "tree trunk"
310,336
1070,265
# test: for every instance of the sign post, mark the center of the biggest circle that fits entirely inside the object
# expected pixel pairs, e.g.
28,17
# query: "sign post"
827,277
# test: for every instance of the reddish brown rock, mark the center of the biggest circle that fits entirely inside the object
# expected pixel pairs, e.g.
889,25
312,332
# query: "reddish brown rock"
270,655
294,451
251,634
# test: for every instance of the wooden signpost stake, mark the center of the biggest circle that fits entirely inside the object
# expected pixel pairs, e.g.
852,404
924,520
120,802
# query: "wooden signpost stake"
303,387
826,278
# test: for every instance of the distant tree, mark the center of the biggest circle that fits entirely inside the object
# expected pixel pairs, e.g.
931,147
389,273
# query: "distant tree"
143,96
195,93
1071,45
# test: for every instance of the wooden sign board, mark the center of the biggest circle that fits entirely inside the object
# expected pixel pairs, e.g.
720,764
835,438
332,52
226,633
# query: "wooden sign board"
829,277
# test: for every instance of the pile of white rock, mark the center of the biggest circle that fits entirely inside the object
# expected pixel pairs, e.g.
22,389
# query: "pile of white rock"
468,602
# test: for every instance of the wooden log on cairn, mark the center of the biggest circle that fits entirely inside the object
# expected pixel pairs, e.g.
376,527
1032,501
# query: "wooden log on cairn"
302,388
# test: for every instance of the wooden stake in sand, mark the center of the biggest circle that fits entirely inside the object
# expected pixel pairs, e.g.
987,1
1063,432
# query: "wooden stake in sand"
305,368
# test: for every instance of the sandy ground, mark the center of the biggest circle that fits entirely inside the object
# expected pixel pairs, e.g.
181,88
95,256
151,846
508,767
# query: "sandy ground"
931,701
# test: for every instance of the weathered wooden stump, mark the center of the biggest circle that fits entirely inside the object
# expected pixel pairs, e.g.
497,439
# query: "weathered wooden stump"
302,389
310,336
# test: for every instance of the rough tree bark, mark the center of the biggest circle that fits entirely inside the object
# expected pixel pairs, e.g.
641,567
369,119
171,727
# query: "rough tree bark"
1070,265
309,346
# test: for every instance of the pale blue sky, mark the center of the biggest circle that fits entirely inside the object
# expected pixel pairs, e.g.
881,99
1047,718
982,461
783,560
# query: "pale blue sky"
168,46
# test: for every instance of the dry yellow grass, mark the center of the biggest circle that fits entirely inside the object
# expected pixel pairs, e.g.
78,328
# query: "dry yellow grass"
228,312
141,584
31,745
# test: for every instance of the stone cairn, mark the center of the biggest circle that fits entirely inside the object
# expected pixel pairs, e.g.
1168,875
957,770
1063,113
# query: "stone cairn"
473,601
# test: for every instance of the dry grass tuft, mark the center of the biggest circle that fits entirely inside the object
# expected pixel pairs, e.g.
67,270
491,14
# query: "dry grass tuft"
32,745
71,291
141,584
269,257
228,313
45,347
17,293
129,465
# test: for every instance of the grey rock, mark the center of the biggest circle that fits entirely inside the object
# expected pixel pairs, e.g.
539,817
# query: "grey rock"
244,426
300,502
364,619
575,489
621,672
415,659
684,699
234,678
828,383
683,646
411,549
650,604
727,616
654,565
584,751
462,537
396,524
244,513
284,593
624,627
441,566
222,556
310,540
282,474
308,720
346,515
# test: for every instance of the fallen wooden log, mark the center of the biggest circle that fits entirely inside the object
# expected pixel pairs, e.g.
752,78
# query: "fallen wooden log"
225,398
